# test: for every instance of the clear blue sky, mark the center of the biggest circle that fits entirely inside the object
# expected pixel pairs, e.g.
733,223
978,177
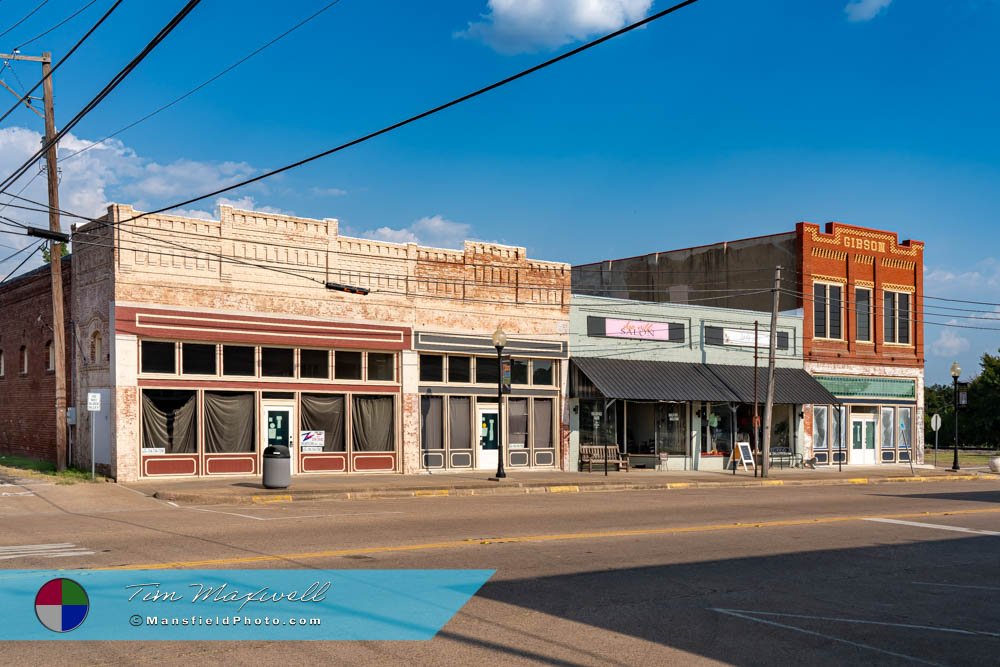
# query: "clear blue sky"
727,119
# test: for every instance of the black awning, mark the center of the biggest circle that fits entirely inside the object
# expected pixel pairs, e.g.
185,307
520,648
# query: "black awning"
675,381
654,380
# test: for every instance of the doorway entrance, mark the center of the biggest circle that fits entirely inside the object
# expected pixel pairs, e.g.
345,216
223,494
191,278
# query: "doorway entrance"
489,441
277,424
863,439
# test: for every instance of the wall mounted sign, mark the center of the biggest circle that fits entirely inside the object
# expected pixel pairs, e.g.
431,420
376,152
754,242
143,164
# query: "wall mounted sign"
744,337
641,329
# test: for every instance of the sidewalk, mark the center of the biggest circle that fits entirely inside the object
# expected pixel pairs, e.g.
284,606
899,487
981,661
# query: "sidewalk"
231,490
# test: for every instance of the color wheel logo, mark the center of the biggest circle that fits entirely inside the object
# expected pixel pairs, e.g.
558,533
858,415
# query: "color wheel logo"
61,605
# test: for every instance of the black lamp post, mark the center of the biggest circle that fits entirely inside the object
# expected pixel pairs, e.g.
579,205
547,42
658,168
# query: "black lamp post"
499,341
956,371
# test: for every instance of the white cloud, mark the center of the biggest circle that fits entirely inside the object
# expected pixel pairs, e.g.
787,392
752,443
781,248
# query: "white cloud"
864,10
435,231
517,26
949,343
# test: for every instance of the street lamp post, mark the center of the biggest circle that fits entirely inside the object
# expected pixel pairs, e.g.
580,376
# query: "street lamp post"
499,341
956,371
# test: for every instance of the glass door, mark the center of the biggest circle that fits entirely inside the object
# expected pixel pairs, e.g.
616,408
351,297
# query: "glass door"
489,438
862,440
278,428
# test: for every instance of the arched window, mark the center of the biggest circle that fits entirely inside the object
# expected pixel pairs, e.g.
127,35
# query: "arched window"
50,356
24,360
95,347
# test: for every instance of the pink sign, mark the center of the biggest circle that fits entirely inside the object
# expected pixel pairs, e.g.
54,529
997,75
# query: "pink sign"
636,329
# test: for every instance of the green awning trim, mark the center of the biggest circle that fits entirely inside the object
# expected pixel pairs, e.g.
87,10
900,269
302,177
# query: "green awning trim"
867,387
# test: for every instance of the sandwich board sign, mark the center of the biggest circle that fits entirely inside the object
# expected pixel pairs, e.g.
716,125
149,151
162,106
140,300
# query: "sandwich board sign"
746,455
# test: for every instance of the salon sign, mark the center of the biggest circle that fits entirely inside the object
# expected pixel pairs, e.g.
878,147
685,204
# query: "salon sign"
640,329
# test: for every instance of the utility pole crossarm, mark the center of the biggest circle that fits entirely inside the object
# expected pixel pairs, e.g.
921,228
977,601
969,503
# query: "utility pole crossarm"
26,101
17,56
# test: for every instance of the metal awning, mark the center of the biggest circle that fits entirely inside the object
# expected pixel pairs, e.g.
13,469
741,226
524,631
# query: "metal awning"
676,381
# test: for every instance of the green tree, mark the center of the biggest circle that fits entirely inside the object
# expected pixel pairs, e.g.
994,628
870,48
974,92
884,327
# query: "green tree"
979,423
47,254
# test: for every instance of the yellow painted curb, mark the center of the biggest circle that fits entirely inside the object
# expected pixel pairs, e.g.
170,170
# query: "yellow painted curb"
567,488
679,485
271,499
857,480
772,482
431,492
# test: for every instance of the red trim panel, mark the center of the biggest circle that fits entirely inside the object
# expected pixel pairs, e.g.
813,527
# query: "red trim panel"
323,463
382,462
153,466
249,329
212,384
230,464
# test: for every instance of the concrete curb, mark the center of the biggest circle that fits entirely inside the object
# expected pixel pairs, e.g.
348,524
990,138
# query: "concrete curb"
505,489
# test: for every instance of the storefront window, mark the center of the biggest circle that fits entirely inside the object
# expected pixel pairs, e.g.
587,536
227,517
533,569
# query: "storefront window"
373,424
905,427
459,417
431,422
169,420
888,429
541,371
672,429
314,364
431,368
325,413
517,423
598,423
541,436
519,371
820,426
238,360
381,366
157,357
197,359
720,428
836,428
347,365
459,369
277,362
486,370
229,421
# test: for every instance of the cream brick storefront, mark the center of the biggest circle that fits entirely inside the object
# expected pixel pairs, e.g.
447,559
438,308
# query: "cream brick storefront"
173,304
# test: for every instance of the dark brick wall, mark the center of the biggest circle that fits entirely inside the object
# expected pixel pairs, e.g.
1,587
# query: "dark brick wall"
27,400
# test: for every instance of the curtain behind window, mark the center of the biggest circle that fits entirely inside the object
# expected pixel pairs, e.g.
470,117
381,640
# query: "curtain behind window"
325,412
431,422
373,424
517,422
169,420
541,436
459,415
229,422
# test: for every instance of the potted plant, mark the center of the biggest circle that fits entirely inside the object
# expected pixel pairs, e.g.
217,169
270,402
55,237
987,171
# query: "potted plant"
995,461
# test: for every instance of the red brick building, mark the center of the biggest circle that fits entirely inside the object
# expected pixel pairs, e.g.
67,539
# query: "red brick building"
27,363
860,292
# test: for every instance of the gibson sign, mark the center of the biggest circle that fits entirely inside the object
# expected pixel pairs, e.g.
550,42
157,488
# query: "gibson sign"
863,244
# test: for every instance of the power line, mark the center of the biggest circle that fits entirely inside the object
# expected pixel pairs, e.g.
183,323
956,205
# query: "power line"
25,17
23,262
108,88
63,59
206,82
429,112
61,23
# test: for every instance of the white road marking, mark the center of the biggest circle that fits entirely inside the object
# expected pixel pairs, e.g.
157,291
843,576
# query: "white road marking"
279,518
931,583
813,633
18,493
59,550
938,526
858,621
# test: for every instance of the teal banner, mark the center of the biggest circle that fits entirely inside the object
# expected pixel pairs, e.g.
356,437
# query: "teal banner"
228,605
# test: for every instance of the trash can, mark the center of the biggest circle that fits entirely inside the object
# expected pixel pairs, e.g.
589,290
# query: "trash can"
277,467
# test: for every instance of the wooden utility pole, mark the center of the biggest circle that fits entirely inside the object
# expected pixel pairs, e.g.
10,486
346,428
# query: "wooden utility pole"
55,253
772,347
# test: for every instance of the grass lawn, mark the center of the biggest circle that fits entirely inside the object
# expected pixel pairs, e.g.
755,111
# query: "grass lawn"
946,456
21,466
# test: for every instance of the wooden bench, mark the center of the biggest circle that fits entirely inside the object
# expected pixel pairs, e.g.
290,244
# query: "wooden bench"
785,456
591,454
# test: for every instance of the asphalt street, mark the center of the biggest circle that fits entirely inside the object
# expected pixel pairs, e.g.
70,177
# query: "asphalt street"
892,574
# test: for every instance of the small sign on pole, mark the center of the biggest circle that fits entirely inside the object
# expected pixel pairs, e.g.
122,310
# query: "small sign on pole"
93,401
936,426
93,405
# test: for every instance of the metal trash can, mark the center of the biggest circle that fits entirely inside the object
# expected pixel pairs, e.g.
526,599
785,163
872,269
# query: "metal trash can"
277,467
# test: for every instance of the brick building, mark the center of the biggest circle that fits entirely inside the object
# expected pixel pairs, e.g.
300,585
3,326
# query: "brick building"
860,294
27,363
210,339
